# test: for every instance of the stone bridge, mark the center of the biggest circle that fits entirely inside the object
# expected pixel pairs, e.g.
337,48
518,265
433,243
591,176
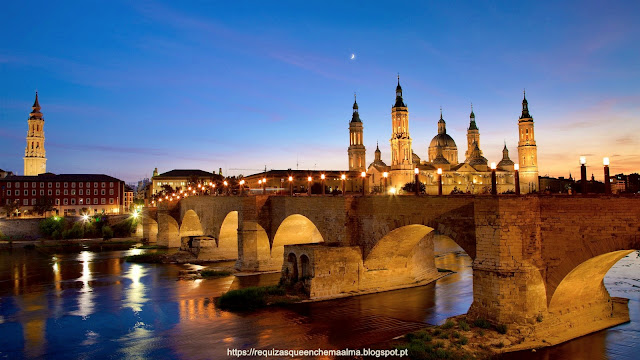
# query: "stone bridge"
538,261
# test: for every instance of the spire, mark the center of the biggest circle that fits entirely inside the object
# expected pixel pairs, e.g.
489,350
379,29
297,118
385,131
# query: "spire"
399,101
472,116
35,112
525,106
377,147
356,116
378,156
442,126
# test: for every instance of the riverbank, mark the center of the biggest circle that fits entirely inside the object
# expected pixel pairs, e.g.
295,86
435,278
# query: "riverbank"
95,244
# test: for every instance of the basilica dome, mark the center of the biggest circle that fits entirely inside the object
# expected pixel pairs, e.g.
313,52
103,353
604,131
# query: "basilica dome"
443,140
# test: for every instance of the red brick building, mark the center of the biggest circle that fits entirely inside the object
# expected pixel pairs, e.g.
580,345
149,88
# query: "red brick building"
70,193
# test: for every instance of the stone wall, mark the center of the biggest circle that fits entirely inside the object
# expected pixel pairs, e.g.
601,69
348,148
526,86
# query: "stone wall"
20,229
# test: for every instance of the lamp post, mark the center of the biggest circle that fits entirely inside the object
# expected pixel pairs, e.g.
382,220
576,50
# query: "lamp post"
364,177
309,179
607,183
516,168
291,185
583,174
439,181
264,186
385,175
343,177
322,177
494,187
417,187
260,183
241,187
226,187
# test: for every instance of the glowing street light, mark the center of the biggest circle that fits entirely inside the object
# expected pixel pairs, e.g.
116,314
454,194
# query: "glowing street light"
241,187
343,177
417,184
364,177
392,191
385,175
309,180
607,181
291,185
322,177
439,181
583,174
85,217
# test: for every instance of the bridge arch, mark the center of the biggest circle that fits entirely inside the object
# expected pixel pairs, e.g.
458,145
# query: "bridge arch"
396,246
191,225
294,229
228,237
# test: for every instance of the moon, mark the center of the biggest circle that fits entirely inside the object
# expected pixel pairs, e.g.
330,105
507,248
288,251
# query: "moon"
353,56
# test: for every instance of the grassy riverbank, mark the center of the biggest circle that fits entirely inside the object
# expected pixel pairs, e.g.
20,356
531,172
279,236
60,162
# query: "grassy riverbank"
252,298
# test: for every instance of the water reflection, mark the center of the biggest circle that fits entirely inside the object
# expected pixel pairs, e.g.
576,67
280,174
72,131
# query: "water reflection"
94,305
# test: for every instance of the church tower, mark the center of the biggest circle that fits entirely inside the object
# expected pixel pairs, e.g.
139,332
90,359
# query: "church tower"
401,153
35,161
473,135
356,146
527,151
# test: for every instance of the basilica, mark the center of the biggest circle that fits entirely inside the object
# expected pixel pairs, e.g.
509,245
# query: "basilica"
472,176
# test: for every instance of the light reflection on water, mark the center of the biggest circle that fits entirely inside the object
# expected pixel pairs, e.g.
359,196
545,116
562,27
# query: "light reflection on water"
95,305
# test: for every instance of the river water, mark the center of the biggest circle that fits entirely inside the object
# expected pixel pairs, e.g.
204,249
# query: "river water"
93,305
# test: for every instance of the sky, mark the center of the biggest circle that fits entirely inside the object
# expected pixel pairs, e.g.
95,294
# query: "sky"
128,86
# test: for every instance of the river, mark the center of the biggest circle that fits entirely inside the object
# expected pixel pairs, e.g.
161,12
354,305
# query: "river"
94,305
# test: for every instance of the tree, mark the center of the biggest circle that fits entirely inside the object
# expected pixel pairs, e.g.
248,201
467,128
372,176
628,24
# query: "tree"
12,208
43,205
411,187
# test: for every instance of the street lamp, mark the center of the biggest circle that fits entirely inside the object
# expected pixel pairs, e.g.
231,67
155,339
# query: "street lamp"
417,186
516,168
583,174
309,180
439,181
364,176
607,183
343,177
291,185
241,187
226,188
494,190
385,175
264,186
322,177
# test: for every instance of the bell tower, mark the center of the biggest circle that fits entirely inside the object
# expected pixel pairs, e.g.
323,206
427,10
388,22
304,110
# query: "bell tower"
473,135
527,151
35,161
356,146
401,153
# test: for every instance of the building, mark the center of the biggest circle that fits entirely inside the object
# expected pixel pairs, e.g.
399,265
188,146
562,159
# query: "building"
128,197
560,185
277,181
4,174
35,157
357,157
70,194
180,178
471,176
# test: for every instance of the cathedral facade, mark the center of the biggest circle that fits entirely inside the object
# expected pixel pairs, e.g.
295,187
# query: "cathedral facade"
472,175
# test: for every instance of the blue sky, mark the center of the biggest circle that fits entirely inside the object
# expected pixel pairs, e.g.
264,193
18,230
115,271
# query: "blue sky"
127,86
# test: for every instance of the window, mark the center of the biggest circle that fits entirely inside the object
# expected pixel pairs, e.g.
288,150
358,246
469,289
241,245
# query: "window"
81,192
25,202
57,184
49,192
80,201
111,201
73,184
103,201
33,184
18,185
33,192
33,201
73,191
57,191
41,192
50,185
95,191
80,185
110,191
102,192
66,184
9,185
88,201
73,201
8,192
57,201
88,184
104,184
66,201
110,184
26,184
95,201
95,184
26,193
41,184
66,192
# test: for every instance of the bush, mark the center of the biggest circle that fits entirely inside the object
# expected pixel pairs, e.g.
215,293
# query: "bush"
481,323
455,335
501,328
248,298
463,325
447,325
107,233
463,340
52,224
214,273
76,232
124,228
